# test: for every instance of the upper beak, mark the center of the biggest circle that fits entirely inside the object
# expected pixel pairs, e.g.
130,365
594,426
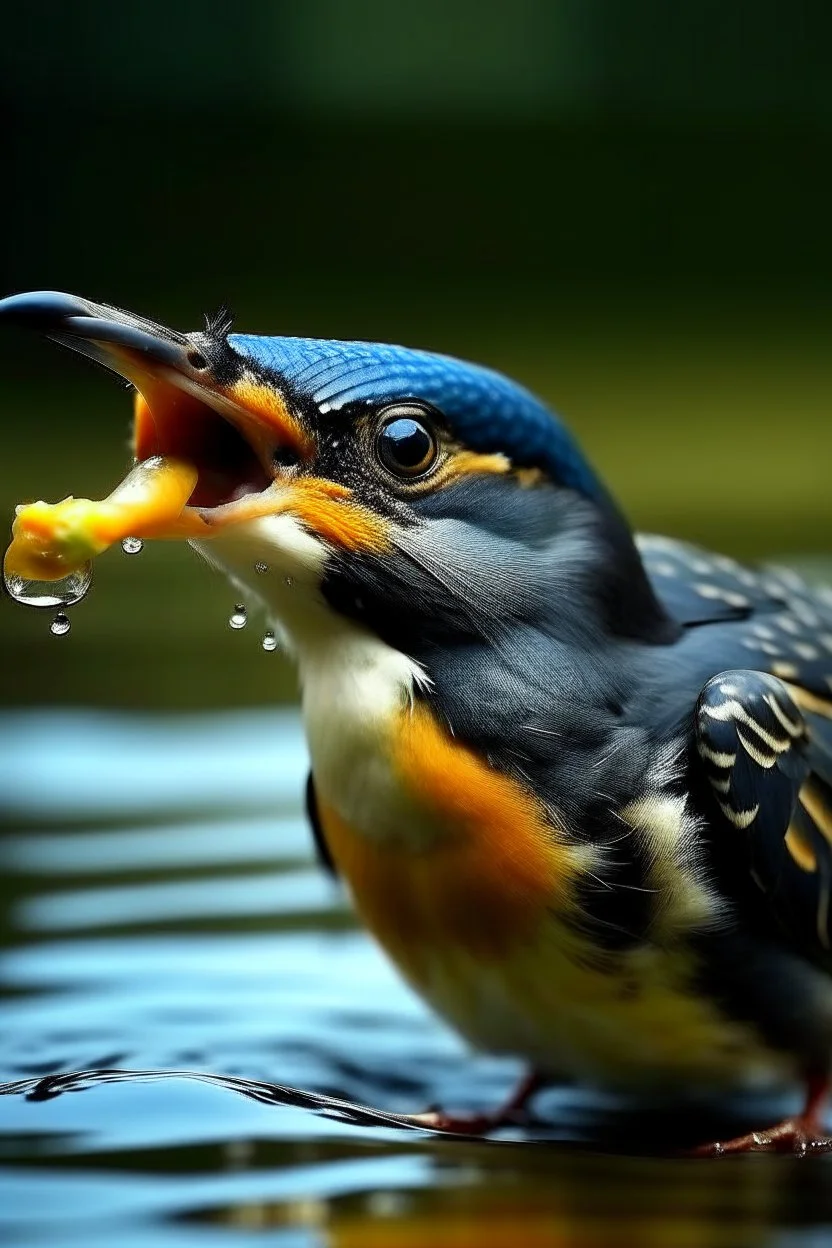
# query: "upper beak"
106,334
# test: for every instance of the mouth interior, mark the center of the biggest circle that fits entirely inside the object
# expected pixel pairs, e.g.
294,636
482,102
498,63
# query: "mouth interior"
173,423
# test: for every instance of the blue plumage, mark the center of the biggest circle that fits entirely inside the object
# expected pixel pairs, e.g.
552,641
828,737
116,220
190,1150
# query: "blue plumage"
488,411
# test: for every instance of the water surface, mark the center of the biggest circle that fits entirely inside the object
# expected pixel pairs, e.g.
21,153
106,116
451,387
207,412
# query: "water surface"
175,966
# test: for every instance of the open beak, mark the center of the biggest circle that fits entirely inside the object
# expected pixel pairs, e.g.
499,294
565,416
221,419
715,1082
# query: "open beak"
193,402
215,445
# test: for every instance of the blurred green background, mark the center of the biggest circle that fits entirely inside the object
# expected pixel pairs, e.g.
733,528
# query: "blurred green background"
627,206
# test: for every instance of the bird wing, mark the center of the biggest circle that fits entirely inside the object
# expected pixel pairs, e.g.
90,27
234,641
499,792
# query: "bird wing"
766,749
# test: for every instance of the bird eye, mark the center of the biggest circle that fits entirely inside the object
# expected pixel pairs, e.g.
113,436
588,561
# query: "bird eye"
406,446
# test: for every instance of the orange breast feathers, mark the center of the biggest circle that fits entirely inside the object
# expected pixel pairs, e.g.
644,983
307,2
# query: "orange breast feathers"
489,871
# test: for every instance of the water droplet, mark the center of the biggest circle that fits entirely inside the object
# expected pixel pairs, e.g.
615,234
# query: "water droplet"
261,568
49,594
289,580
132,545
269,642
60,626
239,618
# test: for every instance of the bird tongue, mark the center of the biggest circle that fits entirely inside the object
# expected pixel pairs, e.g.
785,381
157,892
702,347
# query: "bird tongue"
52,540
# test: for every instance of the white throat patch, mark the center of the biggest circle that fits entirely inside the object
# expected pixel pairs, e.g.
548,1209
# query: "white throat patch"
353,684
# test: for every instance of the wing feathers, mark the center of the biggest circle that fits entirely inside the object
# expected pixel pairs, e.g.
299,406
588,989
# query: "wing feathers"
771,772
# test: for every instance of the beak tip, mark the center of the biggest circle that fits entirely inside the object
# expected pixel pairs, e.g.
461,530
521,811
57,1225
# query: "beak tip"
43,310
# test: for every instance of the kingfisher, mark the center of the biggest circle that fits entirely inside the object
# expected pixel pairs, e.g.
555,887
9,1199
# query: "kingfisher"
578,782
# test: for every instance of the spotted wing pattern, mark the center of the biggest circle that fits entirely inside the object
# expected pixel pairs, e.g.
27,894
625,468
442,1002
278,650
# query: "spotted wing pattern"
769,765
788,623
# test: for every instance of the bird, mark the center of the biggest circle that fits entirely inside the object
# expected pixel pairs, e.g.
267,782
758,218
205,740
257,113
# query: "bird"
577,781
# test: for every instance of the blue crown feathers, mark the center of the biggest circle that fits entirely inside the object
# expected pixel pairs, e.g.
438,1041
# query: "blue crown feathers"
485,409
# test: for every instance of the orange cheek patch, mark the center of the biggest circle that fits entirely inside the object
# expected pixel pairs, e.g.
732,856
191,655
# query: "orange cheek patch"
270,409
495,869
327,509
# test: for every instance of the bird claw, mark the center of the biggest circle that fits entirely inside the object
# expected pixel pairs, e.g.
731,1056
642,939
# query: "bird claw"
512,1113
794,1136
468,1124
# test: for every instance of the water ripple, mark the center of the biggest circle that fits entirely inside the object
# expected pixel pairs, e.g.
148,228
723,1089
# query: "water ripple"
170,950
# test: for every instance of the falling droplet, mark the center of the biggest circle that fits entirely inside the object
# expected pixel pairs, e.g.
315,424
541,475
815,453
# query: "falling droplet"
49,594
269,642
132,545
261,568
289,580
239,618
60,626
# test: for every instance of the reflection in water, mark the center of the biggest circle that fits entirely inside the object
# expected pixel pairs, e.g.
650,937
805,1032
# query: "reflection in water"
169,950
376,1180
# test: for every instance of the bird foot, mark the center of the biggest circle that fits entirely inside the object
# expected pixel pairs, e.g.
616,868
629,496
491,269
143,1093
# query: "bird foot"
469,1124
795,1136
513,1113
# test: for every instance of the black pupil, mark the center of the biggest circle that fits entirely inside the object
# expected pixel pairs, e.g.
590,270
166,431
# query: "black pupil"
406,445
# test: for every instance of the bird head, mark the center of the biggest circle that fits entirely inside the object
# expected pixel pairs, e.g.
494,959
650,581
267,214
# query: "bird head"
430,501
